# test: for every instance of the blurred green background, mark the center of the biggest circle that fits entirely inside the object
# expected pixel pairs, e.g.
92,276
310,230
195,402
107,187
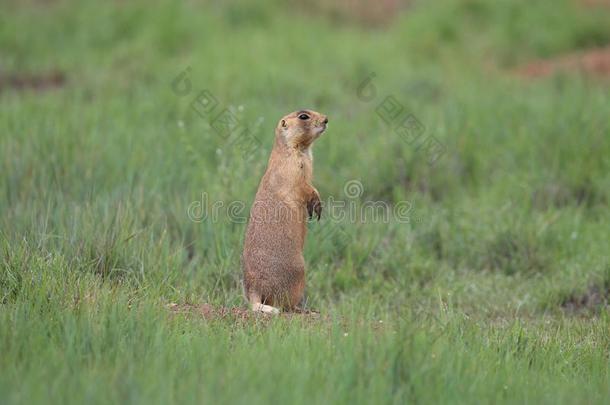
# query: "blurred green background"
496,290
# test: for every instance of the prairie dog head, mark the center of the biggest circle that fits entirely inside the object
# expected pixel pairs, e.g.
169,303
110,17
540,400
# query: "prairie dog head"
301,128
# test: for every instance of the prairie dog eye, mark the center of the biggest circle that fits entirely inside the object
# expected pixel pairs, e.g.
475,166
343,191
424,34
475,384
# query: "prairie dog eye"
304,117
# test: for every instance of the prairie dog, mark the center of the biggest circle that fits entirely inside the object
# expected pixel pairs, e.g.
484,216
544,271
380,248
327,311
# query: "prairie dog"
273,263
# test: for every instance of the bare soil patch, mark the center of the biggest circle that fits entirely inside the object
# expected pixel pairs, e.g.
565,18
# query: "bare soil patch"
594,63
372,14
211,312
28,81
595,3
593,299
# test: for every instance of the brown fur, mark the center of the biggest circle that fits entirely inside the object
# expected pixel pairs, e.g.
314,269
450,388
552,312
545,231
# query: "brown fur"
274,267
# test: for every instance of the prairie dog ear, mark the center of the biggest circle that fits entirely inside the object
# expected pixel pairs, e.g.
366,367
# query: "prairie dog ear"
283,123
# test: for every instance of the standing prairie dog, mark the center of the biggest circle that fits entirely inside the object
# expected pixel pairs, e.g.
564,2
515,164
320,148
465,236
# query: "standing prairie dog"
273,263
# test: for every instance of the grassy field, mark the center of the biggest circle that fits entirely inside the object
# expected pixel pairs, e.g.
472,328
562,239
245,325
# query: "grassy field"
495,290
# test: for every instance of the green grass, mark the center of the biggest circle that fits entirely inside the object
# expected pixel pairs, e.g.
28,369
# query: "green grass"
484,296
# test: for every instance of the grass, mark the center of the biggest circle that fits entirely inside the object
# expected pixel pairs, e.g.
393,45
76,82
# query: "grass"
481,297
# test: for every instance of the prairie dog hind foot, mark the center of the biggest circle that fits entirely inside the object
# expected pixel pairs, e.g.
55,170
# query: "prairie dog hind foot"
266,309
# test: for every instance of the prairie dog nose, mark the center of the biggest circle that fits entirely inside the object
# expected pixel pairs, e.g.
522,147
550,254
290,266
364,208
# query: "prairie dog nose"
325,120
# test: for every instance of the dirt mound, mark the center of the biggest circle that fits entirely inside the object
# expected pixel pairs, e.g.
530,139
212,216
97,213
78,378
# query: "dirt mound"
594,62
211,312
37,82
